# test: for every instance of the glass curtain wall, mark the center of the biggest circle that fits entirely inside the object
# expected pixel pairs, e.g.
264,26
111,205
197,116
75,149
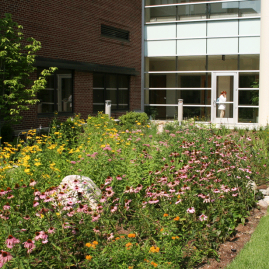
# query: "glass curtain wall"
189,77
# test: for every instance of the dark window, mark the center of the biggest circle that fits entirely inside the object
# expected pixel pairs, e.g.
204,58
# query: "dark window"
113,32
110,87
57,96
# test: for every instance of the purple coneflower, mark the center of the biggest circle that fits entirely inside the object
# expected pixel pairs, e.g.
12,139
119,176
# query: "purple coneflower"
11,241
29,244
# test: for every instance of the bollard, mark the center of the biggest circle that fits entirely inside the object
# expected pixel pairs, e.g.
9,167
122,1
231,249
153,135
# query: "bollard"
108,108
180,111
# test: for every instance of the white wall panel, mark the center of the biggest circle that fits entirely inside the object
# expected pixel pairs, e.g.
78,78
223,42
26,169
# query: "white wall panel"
250,45
191,29
222,28
160,48
249,27
191,47
160,31
222,46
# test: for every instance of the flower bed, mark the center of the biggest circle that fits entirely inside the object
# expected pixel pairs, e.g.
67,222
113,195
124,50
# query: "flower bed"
168,199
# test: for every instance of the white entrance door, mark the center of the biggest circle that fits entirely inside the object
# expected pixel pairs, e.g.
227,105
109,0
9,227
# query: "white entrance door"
225,81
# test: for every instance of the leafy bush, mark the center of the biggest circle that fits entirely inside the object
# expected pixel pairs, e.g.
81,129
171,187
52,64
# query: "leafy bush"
6,133
133,119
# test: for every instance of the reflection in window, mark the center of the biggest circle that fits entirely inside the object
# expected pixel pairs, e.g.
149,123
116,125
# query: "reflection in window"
248,115
248,80
192,12
194,81
249,62
248,97
57,96
222,62
110,87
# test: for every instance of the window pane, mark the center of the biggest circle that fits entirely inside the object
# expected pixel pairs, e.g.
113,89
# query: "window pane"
123,99
248,97
191,63
197,113
162,81
160,64
250,8
194,81
123,81
221,10
222,62
98,80
165,2
192,12
112,95
160,14
248,80
98,96
248,115
249,62
66,95
97,108
194,97
111,81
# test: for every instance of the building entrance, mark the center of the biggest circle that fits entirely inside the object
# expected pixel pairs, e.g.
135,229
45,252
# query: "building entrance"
224,111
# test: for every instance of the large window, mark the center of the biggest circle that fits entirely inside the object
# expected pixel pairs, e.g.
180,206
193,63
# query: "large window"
110,87
57,96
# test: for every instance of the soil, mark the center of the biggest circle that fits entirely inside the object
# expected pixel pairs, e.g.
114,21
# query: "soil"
230,249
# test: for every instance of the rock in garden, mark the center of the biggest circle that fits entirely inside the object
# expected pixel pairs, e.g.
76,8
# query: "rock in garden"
266,199
262,203
75,187
264,192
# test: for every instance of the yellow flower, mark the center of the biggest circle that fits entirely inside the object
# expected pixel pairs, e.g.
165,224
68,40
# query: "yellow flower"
37,164
88,257
27,170
41,216
58,214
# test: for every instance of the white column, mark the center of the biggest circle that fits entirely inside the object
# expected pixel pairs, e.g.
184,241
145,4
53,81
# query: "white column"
264,65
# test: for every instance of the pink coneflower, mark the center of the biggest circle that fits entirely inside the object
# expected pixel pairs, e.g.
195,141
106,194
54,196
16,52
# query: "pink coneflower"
203,217
178,201
96,230
111,236
113,209
95,217
191,210
4,257
6,206
45,241
110,193
48,199
73,162
29,244
41,235
27,217
153,201
235,194
35,204
216,191
234,189
10,196
42,195
51,230
37,192
32,183
118,177
2,192
11,241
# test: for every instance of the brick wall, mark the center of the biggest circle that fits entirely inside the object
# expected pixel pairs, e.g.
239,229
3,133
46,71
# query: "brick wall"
71,30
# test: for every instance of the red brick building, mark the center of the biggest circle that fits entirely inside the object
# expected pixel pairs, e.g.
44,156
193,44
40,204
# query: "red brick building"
96,45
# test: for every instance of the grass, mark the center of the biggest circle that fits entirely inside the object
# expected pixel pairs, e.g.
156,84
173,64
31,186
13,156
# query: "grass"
256,252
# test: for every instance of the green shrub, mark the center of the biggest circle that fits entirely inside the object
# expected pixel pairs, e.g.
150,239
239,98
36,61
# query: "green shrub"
6,133
132,119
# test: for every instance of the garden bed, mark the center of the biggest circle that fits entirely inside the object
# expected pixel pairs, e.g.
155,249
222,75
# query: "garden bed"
169,199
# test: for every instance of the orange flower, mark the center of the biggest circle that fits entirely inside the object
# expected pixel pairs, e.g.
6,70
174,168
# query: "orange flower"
165,215
95,243
153,249
122,236
177,218
117,238
130,267
128,245
88,257
154,264
173,237
88,245
131,235
161,230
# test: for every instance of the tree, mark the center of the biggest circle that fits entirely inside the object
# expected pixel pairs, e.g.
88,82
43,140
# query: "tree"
17,56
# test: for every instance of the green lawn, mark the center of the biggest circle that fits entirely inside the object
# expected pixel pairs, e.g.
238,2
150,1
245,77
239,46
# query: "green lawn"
255,254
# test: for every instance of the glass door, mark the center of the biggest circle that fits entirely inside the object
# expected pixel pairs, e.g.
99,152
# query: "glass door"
64,93
224,107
